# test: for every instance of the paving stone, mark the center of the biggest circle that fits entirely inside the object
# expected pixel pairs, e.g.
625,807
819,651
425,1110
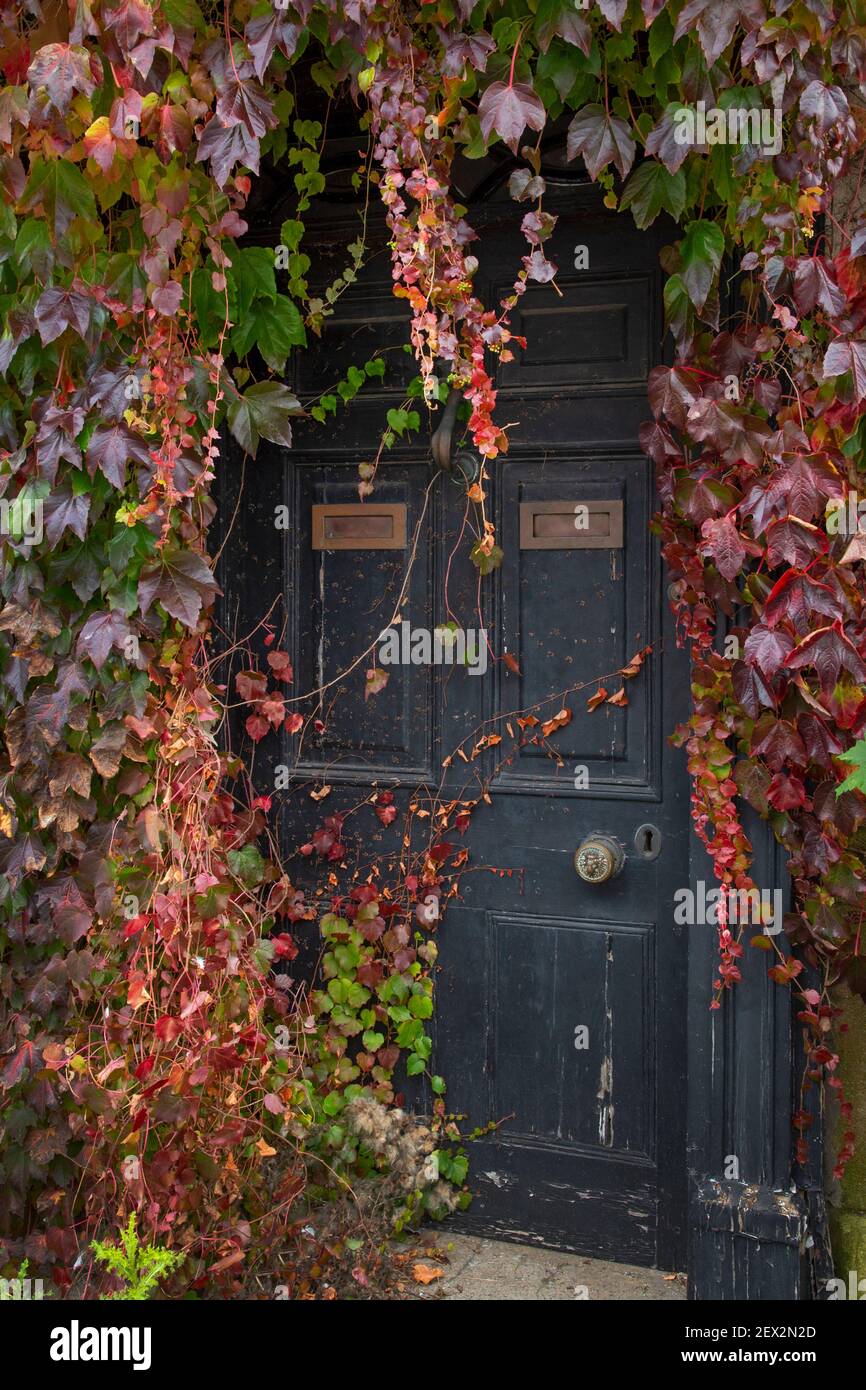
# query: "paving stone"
481,1270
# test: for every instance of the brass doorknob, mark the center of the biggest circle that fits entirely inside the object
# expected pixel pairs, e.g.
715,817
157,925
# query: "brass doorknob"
598,859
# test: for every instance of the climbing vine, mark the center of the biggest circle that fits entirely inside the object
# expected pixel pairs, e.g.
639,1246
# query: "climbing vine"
150,1059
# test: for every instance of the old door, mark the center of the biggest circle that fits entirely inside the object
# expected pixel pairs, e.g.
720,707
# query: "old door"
560,1001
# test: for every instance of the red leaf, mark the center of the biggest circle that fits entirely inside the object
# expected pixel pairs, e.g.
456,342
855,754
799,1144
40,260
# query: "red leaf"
786,793
601,139
281,665
256,726
508,110
828,651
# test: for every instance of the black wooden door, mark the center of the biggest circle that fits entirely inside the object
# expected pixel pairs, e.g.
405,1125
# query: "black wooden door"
560,1003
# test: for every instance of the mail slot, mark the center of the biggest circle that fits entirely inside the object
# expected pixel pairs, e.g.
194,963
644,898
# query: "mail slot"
359,526
573,525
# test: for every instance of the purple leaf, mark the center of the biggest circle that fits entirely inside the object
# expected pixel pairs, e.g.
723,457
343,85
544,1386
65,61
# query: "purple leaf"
111,448
58,310
225,147
62,69
848,355
63,512
508,110
601,140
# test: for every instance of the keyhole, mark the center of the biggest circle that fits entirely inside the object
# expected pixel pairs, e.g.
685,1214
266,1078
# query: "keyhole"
648,841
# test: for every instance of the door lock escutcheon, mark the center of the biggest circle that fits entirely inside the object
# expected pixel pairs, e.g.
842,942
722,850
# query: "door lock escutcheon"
648,841
598,859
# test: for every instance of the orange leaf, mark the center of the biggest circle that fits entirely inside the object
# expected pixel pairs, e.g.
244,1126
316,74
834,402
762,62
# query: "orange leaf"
597,699
558,721
620,698
635,663
425,1274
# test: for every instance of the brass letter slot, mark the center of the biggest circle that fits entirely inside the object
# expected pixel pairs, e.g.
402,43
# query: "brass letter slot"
359,526
571,525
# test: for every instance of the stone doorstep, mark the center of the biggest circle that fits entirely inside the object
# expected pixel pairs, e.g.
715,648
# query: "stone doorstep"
477,1269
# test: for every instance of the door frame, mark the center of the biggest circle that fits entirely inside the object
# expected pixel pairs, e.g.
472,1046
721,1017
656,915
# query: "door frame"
761,1236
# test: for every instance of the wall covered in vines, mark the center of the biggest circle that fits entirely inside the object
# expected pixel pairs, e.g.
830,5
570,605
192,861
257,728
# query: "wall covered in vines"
148,1060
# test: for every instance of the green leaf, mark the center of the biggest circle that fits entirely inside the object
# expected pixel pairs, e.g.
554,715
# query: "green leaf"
421,1006
856,757
253,274
263,412
247,864
677,307
33,247
274,328
414,1064
486,561
701,251
651,190
60,188
183,14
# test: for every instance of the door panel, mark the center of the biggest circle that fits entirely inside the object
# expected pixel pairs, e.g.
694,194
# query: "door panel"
560,1011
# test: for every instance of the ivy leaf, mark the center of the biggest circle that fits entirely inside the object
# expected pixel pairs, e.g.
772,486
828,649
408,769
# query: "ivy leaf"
828,651
856,758
263,413
247,864
166,298
130,20
108,750
795,597
767,648
701,252
63,512
181,581
813,285
678,311
375,680
556,19
253,274
848,355
662,142
245,103
826,105
613,11
716,22
225,147
508,110
62,69
466,50
795,541
111,448
100,633
672,394
651,190
723,542
264,34
601,140
58,310
274,328
25,855
61,190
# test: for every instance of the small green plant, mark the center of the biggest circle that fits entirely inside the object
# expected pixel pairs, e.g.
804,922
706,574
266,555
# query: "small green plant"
140,1267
